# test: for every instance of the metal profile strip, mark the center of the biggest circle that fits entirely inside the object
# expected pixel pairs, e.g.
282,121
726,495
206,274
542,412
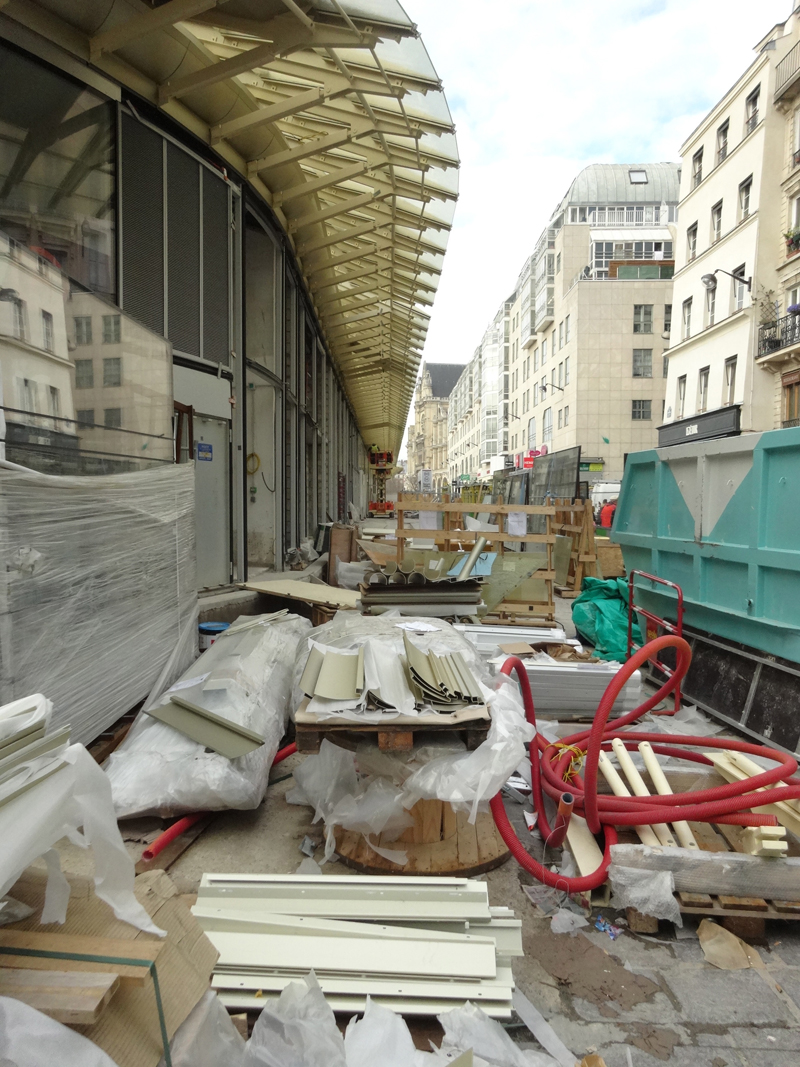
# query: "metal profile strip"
495,1009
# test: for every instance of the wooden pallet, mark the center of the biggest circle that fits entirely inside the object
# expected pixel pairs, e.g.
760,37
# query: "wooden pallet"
453,537
396,735
575,519
440,842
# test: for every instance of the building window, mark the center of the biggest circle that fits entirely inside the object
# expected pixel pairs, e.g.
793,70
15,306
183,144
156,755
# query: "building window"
751,111
535,393
667,318
547,427
691,242
112,372
702,390
532,433
643,363
637,177
560,418
739,287
722,142
697,168
642,318
83,329
711,305
111,329
745,189
54,396
544,351
561,374
561,334
19,319
566,371
716,222
566,330
85,416
680,399
112,418
558,263
536,359
48,340
687,318
28,394
566,416
640,410
791,399
730,381
84,374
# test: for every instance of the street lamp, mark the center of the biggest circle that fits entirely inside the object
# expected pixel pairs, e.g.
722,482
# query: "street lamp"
710,280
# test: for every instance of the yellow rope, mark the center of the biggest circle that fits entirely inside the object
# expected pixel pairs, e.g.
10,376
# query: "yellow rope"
578,756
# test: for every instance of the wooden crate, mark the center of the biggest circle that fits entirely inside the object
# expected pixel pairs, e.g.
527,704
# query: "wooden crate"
391,736
453,537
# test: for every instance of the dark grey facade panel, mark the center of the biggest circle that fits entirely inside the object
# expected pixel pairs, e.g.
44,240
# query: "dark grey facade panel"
142,199
216,272
724,422
183,251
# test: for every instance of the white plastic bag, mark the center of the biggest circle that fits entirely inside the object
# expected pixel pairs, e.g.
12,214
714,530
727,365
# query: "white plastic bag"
567,922
206,1037
30,1039
78,795
650,892
297,1030
379,1039
470,1028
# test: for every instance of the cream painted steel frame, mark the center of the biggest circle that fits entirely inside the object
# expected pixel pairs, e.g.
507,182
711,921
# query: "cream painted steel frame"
379,104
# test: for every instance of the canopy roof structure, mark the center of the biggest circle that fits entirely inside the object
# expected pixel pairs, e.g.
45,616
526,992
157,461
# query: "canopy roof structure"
334,113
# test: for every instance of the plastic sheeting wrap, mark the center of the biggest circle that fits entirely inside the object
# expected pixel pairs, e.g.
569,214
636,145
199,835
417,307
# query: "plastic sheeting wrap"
28,1038
246,676
371,791
97,585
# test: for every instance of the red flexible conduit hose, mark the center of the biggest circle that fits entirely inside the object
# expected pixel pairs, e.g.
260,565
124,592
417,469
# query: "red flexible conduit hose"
550,772
188,821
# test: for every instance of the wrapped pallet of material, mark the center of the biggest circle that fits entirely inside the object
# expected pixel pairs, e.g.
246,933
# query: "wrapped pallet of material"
244,678
96,587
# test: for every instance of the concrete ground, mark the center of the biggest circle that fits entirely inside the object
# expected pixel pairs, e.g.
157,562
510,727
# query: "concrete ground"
638,1001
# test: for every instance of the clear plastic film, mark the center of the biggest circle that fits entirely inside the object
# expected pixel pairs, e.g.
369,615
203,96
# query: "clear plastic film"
29,1038
206,1037
97,586
245,676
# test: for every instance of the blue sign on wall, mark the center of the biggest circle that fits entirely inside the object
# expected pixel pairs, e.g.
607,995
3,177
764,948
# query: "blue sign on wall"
205,451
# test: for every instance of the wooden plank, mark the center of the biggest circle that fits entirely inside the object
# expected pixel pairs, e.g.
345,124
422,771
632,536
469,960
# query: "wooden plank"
67,996
442,537
468,854
743,903
492,509
88,946
395,740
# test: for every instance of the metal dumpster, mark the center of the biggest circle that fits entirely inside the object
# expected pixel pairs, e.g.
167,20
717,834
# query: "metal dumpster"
721,518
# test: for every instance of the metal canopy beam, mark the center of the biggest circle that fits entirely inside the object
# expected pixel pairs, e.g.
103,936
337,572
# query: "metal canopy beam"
335,176
332,211
300,151
335,238
290,106
147,22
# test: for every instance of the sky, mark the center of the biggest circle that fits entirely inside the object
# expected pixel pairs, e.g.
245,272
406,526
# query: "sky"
538,89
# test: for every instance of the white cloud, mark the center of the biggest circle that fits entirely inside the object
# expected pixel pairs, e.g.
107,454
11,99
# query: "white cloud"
539,89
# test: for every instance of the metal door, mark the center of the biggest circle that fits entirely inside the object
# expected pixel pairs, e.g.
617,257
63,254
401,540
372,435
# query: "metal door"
212,501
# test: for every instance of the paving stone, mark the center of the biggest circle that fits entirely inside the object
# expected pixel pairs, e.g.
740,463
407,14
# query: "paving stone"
728,997
788,978
659,1010
786,945
753,1037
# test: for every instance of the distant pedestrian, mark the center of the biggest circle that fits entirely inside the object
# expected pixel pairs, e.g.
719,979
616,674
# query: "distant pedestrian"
607,515
599,512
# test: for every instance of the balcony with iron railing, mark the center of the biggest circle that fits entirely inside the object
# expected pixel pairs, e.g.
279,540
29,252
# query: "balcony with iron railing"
631,215
787,74
776,340
751,122
788,423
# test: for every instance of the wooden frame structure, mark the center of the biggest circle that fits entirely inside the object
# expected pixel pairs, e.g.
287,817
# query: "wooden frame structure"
575,519
453,536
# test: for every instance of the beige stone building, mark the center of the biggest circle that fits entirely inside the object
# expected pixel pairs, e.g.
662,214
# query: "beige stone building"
590,320
427,435
735,350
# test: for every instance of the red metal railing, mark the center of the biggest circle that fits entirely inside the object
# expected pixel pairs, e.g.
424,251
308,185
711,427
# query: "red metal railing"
652,624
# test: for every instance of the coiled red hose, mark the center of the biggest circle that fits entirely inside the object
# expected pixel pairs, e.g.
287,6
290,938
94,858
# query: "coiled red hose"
551,769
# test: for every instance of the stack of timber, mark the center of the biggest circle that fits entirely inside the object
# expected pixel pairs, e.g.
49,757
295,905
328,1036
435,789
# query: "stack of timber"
507,517
739,875
575,520
416,945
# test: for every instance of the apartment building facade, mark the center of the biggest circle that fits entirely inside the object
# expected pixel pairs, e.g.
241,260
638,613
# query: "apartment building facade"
733,365
479,406
590,320
427,441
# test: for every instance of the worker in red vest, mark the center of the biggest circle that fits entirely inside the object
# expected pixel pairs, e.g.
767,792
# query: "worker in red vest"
607,515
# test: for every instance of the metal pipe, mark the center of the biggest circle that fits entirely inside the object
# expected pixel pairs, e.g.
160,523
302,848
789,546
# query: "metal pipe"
471,559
